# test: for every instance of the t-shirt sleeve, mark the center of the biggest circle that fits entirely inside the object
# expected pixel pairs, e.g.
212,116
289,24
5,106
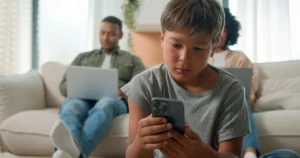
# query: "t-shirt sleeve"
233,120
139,90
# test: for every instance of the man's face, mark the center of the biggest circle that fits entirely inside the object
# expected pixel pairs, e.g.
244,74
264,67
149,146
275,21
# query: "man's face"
109,35
186,55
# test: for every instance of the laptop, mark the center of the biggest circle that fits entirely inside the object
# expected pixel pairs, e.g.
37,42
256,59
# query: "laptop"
245,76
91,83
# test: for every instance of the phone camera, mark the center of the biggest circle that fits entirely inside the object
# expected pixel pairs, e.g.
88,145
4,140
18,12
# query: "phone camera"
156,104
164,109
157,111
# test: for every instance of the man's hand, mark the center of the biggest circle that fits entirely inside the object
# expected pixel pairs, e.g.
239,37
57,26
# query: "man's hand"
187,146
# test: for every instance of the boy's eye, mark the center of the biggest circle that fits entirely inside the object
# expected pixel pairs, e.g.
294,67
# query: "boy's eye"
176,46
197,49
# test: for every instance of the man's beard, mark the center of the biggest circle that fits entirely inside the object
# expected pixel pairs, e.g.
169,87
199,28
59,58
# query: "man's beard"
110,49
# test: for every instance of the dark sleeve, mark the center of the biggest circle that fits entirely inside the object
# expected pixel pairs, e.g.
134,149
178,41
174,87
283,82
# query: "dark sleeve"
63,83
138,66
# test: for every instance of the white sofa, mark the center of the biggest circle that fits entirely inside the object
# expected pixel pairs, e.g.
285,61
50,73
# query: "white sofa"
29,105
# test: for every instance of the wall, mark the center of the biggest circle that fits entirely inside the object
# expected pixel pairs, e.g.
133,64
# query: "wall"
148,20
147,46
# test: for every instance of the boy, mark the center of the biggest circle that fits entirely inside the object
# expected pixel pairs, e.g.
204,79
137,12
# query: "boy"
214,102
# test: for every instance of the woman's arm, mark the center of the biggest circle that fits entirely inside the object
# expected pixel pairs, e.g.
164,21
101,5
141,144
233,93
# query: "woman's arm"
134,149
254,87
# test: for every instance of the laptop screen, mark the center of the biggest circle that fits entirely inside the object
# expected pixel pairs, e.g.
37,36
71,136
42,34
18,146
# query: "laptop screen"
245,76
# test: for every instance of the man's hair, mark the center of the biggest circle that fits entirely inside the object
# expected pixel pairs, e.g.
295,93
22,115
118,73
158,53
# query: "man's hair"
199,15
114,20
232,28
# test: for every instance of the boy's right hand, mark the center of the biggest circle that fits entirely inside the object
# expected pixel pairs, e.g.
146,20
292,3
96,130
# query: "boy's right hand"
152,132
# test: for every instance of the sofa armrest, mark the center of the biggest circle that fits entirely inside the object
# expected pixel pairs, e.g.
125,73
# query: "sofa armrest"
21,92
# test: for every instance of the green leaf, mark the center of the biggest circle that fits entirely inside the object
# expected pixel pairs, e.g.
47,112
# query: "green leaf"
129,9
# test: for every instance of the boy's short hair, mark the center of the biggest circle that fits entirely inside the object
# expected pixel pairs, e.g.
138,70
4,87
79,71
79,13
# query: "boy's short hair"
114,20
199,15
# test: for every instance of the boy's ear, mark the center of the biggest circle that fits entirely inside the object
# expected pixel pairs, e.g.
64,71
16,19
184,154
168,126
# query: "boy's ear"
213,49
162,38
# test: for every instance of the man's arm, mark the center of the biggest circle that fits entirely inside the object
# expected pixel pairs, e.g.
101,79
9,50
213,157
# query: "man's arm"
63,83
138,66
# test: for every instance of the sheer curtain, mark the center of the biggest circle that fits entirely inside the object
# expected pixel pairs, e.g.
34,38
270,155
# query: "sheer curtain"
15,36
62,30
270,29
68,27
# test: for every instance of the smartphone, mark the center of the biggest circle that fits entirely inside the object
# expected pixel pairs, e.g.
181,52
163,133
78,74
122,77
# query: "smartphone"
171,109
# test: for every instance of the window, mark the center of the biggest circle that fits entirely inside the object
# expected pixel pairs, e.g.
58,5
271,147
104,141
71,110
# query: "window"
269,29
15,36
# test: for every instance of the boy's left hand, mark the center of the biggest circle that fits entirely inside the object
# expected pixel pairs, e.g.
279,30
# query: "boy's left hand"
186,146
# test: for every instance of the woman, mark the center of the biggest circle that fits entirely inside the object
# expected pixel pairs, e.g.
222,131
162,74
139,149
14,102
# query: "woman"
227,58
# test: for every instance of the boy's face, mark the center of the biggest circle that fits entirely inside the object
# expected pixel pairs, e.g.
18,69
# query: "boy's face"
186,55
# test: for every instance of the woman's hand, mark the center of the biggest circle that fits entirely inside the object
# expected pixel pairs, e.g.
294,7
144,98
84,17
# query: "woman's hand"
187,146
153,132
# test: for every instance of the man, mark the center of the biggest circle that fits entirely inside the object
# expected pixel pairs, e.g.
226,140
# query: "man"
69,135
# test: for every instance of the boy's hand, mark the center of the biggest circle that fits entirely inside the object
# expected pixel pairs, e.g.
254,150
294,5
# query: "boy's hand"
153,132
188,146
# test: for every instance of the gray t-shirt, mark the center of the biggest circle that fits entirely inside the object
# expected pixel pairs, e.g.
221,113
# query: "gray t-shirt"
216,116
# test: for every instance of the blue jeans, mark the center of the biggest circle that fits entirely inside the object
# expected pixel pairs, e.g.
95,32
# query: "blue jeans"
89,120
251,140
281,153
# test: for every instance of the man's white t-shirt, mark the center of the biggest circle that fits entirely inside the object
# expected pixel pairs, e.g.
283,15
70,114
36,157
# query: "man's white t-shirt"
106,62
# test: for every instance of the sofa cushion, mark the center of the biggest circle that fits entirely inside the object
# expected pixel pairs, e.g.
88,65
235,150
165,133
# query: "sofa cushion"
278,129
285,69
27,133
280,93
17,91
52,73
